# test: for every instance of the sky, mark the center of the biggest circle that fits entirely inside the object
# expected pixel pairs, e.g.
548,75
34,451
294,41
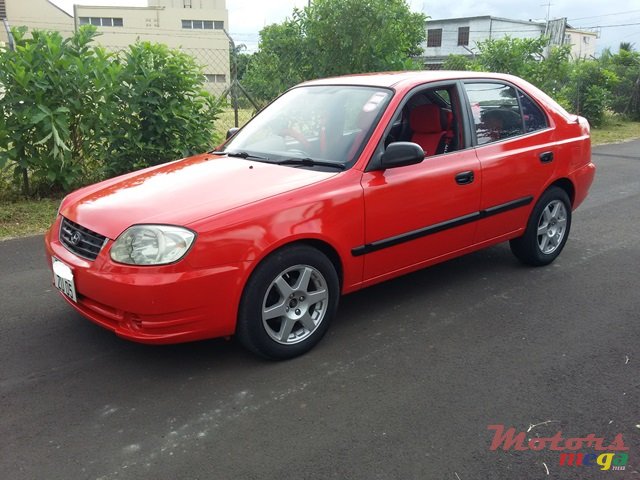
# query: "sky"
247,17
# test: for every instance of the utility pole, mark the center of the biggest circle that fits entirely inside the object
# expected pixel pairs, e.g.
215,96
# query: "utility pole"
548,5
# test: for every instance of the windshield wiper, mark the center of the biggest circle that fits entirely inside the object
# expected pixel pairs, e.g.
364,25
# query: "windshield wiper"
244,155
310,162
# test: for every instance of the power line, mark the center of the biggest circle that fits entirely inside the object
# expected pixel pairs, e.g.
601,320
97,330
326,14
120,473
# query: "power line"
605,15
615,25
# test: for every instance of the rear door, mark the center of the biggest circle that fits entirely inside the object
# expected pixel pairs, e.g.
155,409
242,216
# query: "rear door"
514,144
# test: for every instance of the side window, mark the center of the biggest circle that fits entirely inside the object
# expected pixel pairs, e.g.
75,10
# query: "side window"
430,118
496,112
534,117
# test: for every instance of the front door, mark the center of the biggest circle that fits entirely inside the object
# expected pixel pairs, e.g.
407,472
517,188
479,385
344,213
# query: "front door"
420,212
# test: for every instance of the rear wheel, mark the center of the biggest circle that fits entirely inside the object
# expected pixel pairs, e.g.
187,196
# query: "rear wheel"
547,229
288,303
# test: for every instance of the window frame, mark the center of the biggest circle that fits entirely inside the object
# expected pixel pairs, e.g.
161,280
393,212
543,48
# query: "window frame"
457,87
437,37
188,24
471,126
463,36
110,22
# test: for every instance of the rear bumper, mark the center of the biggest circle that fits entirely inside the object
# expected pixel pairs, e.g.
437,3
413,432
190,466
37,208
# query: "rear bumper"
168,304
582,179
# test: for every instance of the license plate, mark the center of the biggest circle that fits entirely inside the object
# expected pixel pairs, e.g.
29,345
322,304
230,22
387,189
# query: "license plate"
63,279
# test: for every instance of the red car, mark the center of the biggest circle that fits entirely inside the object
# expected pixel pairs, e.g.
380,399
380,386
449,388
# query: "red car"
339,184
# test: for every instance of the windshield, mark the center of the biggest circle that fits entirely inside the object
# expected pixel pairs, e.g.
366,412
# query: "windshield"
328,124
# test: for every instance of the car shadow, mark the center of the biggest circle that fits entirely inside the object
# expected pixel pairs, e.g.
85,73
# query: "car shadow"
356,313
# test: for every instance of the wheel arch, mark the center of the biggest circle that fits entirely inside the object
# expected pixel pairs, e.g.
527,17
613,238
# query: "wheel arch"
566,185
322,246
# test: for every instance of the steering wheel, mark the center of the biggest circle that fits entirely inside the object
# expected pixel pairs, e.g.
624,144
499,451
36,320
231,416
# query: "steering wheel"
293,133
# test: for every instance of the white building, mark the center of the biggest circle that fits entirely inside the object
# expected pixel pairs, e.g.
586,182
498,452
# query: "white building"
459,36
195,26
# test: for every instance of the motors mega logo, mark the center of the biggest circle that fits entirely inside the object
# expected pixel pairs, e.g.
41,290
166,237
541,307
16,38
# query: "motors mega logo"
610,457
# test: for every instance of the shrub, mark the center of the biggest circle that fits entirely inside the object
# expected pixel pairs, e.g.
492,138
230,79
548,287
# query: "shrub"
163,111
57,95
71,113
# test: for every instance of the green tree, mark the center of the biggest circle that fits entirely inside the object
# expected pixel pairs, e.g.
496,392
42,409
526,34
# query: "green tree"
588,90
163,111
530,58
510,55
458,62
335,37
626,65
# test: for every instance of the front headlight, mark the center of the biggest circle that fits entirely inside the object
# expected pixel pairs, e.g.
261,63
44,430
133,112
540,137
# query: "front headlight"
152,245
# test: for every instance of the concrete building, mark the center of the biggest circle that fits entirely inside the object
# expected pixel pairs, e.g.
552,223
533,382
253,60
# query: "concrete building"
194,26
459,36
35,14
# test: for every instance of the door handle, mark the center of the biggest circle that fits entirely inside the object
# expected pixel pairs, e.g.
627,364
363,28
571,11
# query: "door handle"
546,157
465,178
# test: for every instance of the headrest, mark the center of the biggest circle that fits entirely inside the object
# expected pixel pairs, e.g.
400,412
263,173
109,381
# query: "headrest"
426,119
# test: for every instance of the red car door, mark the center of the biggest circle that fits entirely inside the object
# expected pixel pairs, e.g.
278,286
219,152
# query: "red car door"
515,149
420,212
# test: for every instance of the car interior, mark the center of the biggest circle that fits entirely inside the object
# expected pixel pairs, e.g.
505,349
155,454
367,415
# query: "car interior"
430,118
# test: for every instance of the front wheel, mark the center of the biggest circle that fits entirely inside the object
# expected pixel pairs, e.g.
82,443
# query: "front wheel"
288,303
547,229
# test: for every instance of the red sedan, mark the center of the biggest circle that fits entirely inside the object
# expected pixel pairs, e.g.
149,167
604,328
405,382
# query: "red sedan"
339,184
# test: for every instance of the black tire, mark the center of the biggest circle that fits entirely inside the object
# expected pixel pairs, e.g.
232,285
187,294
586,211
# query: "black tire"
307,312
530,248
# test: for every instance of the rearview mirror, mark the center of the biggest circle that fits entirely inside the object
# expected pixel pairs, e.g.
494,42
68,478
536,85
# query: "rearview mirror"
231,132
400,154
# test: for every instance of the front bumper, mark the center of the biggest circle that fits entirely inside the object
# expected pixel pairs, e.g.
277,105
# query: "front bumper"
164,304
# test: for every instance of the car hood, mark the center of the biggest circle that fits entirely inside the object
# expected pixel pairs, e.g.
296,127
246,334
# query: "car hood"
181,192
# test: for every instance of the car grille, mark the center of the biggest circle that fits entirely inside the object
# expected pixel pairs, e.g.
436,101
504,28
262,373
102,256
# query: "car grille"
79,240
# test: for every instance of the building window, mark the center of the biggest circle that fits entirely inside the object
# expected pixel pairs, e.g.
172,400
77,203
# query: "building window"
187,4
434,37
101,21
463,36
3,9
216,78
203,24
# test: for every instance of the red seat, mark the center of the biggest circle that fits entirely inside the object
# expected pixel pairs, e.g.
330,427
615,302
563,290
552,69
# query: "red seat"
426,123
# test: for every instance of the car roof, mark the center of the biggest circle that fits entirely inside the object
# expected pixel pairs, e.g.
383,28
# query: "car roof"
408,78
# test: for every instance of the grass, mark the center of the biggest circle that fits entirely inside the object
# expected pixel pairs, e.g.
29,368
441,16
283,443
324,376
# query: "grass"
29,217
615,131
26,217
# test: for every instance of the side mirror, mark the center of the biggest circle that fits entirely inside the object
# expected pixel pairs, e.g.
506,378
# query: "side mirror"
401,154
231,132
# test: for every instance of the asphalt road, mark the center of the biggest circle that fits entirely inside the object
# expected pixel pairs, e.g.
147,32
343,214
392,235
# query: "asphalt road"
403,386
